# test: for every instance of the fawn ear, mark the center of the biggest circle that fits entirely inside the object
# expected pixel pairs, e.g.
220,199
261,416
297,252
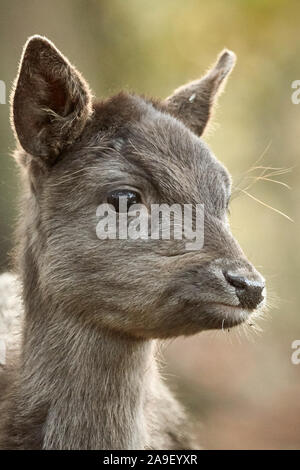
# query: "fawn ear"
51,102
192,103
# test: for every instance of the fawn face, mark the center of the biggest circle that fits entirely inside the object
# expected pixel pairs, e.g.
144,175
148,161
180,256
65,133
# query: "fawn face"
78,153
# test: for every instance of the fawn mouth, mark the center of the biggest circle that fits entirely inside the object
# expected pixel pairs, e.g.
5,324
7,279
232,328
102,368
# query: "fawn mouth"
226,315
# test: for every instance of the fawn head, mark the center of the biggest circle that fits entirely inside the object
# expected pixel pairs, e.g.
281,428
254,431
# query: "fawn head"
77,153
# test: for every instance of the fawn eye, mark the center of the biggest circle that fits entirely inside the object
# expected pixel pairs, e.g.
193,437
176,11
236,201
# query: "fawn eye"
128,196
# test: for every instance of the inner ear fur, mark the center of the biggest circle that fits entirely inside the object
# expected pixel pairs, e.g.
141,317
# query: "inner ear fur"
192,103
51,102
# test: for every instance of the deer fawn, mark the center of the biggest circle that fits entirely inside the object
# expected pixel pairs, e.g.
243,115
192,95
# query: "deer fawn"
85,375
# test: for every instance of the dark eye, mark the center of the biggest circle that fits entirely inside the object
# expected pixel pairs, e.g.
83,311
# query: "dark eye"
128,197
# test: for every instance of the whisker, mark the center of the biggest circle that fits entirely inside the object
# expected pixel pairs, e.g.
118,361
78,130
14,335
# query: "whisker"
267,205
264,178
257,161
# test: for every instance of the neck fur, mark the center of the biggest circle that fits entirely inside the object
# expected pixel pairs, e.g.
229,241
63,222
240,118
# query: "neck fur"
87,381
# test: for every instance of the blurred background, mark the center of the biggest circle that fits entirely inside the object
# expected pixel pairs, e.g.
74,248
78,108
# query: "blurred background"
240,388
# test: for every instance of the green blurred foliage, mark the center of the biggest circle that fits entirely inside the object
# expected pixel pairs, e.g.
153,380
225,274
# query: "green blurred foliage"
152,47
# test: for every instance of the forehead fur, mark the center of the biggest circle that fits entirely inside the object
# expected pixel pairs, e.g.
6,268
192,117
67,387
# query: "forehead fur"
177,161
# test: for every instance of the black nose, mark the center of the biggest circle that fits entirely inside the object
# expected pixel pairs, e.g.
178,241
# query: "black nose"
248,291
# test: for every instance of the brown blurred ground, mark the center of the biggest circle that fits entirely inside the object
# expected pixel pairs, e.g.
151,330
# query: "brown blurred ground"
243,392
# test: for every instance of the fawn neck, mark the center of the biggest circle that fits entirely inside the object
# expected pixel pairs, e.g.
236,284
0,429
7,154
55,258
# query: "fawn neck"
96,380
